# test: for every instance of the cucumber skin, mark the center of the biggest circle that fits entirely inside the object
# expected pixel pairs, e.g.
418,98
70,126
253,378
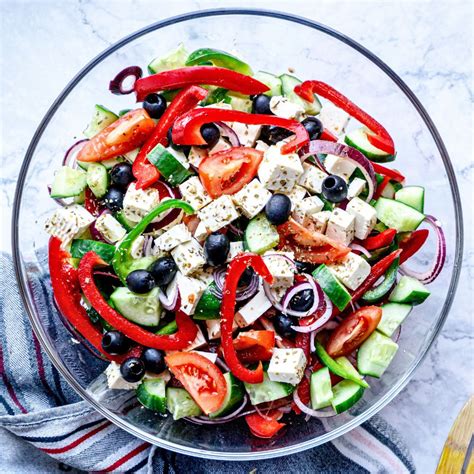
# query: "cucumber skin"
378,158
160,157
344,405
152,401
317,379
417,202
236,395
416,293
328,282
398,215
102,118
365,355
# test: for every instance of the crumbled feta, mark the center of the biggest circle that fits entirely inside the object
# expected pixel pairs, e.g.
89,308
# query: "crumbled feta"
339,166
287,365
251,199
261,145
334,119
218,213
196,155
136,249
214,328
283,107
189,257
194,194
320,220
278,172
110,228
137,203
352,271
179,234
221,145
341,226
312,178
206,275
115,381
68,223
235,249
246,133
253,309
365,217
280,268
356,187
296,195
307,207
212,356
190,292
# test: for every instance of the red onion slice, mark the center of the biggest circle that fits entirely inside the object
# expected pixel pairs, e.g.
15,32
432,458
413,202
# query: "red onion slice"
360,249
72,152
116,85
225,419
219,276
147,246
440,257
316,147
169,216
168,300
310,411
228,132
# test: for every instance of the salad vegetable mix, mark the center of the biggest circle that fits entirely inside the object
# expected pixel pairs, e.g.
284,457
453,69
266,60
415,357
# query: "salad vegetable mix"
236,245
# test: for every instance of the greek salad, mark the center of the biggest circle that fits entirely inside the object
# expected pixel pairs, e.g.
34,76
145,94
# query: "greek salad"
235,244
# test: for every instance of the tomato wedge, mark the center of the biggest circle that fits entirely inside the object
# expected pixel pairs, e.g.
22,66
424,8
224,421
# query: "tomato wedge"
309,245
123,135
354,330
200,377
228,171
265,426
252,338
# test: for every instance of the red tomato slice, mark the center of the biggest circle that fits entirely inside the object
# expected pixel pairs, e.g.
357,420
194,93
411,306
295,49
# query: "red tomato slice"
254,354
265,427
200,377
354,330
309,245
245,340
123,135
228,171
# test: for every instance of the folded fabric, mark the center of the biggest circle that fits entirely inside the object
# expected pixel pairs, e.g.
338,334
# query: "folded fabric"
40,408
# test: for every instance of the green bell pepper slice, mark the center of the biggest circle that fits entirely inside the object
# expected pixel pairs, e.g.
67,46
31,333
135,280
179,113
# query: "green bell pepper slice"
218,58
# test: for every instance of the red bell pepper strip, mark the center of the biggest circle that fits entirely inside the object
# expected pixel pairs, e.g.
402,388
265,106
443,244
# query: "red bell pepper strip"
145,172
91,203
265,426
381,187
328,136
412,244
195,75
236,267
381,139
187,330
302,341
380,240
187,129
392,174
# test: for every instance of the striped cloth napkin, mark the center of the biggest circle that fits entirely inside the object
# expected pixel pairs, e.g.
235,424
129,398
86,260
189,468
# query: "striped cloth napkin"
38,407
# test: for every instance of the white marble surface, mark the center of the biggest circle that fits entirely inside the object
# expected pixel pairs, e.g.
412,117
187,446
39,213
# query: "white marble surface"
427,43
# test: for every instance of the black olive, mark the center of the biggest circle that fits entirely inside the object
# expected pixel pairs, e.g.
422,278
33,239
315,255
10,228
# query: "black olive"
334,188
154,360
114,342
313,126
216,248
305,267
278,209
246,277
113,199
210,133
272,134
184,148
132,369
140,281
302,301
155,105
261,104
283,323
121,174
164,270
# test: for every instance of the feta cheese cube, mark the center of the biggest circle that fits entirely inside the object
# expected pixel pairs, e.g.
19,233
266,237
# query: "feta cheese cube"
194,194
137,203
365,217
320,220
251,199
189,257
356,187
283,107
287,365
296,195
214,328
68,223
247,134
201,232
221,145
334,119
279,172
253,309
208,355
136,249
261,145
179,234
110,228
341,226
235,249
352,271
190,291
218,213
196,155
312,178
339,166
280,268
205,275
307,207
115,381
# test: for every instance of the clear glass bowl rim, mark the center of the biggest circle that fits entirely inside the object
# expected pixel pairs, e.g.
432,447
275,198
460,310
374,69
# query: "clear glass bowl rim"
356,421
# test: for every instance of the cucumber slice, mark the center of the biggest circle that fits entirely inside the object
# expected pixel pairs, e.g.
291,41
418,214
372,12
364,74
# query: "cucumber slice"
346,395
151,393
397,215
333,288
390,190
80,198
393,314
267,391
80,247
320,389
409,290
68,182
180,403
349,368
270,80
171,164
142,309
288,84
173,60
209,306
142,263
234,395
377,293
109,164
358,139
375,354
101,119
413,196
260,235
240,102
218,58
97,179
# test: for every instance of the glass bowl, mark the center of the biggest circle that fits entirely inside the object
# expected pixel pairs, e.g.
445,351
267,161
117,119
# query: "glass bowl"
269,41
